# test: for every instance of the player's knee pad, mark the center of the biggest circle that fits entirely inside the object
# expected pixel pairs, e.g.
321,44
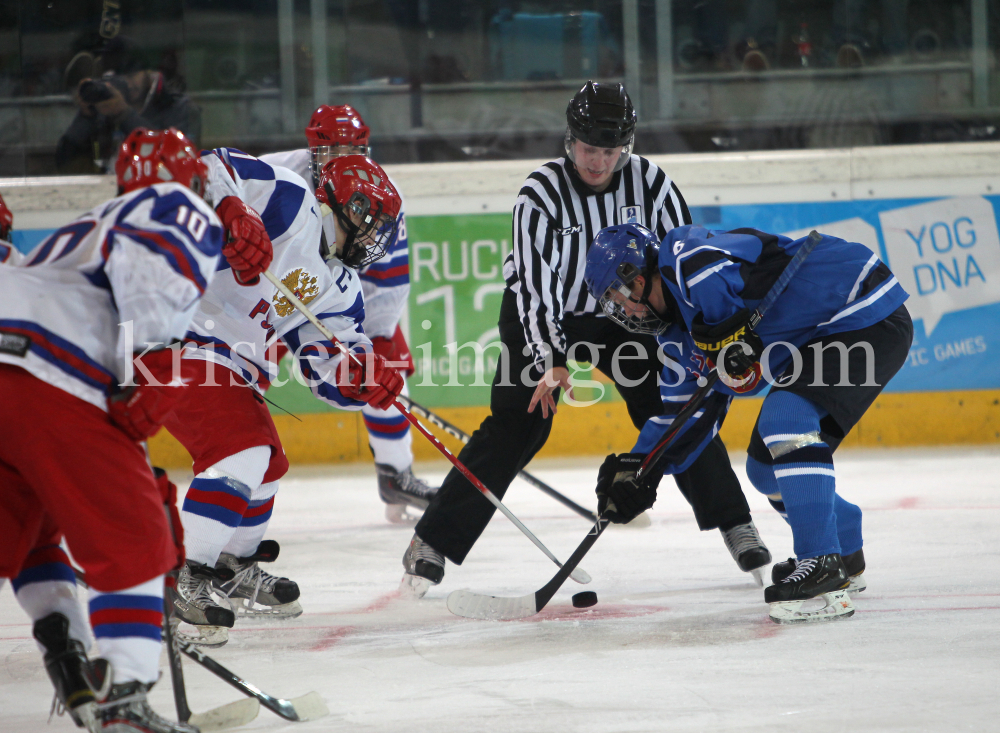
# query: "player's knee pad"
786,419
248,466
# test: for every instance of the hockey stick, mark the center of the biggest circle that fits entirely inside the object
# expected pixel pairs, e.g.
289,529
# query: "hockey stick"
577,574
461,435
475,605
307,707
498,608
231,715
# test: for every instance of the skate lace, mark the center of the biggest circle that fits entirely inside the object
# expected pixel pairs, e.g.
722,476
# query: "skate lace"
420,550
802,569
410,484
195,591
250,574
742,538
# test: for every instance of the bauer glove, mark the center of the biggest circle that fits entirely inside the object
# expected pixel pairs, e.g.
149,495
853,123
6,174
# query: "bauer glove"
248,249
372,381
620,497
734,332
140,410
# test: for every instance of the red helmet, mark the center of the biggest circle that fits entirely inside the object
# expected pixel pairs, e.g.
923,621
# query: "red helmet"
6,220
157,156
358,192
337,126
335,131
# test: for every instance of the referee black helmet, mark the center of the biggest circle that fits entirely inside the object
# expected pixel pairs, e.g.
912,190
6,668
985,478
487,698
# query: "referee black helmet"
601,115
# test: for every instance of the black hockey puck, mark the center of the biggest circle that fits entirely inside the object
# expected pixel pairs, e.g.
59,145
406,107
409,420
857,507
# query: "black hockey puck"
586,599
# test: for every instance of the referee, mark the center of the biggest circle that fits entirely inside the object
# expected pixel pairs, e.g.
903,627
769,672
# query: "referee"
546,310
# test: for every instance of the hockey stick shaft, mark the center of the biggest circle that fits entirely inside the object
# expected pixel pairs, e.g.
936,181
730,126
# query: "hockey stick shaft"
174,659
458,433
284,708
582,576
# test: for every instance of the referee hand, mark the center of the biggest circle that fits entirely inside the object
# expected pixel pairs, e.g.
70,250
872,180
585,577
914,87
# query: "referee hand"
552,380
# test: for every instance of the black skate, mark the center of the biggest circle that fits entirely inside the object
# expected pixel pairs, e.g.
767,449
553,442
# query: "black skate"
126,710
401,489
78,682
194,604
254,592
424,567
747,549
815,577
855,564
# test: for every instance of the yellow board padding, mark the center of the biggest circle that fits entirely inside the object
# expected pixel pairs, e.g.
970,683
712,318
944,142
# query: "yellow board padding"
896,419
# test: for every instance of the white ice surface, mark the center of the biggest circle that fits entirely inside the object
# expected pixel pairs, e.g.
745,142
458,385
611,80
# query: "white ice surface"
679,641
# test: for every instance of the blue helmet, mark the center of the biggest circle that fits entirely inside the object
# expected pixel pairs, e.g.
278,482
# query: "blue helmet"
618,256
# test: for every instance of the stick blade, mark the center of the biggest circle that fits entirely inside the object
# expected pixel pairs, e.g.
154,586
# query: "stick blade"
467,604
233,715
310,706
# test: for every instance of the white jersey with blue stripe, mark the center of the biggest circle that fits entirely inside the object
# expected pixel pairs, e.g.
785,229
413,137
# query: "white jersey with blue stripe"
386,282
236,324
124,276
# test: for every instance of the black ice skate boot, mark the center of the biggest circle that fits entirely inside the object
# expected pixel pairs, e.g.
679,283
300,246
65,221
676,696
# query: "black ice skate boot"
254,592
126,710
424,567
815,577
747,549
78,683
855,564
401,489
194,604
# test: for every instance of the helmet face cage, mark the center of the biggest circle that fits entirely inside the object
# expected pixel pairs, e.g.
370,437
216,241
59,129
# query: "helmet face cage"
323,154
613,301
369,240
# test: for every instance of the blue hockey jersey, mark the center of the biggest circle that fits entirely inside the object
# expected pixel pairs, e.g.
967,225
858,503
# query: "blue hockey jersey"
841,286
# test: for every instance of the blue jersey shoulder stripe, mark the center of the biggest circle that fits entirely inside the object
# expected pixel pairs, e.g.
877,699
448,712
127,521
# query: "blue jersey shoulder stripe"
170,247
247,166
282,208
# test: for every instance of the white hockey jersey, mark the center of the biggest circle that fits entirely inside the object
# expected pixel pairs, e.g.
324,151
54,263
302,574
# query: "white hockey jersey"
236,324
386,282
125,276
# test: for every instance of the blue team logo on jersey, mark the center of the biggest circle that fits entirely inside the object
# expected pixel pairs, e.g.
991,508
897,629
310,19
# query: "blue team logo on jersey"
630,214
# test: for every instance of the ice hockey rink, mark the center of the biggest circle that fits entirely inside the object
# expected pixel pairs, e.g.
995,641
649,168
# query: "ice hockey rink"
679,640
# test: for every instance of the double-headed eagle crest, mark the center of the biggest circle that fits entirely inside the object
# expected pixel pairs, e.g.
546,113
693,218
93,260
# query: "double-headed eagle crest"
299,282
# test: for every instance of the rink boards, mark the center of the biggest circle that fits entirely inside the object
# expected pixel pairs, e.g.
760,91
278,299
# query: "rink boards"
929,211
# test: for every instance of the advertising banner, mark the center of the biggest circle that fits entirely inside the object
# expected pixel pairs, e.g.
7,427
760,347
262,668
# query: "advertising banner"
944,251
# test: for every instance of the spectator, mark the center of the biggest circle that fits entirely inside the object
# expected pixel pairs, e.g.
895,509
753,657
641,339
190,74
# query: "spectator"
121,96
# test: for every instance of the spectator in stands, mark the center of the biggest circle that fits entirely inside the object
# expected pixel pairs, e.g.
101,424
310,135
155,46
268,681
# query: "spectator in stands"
121,96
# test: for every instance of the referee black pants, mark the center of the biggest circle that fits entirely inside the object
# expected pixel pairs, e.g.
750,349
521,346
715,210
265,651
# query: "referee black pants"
510,437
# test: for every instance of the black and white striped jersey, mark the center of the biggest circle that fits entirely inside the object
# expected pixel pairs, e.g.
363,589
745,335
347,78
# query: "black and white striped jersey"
556,218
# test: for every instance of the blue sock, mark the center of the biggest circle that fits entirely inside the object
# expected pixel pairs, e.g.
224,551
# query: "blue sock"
761,475
848,525
803,469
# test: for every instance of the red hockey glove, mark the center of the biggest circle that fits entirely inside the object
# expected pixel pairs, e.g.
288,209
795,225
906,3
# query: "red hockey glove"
248,248
6,220
396,351
373,381
140,411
